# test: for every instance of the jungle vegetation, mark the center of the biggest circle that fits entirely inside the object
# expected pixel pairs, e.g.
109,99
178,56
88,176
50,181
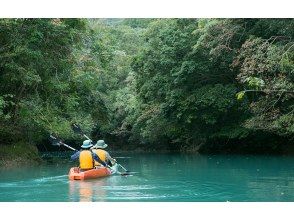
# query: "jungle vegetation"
207,85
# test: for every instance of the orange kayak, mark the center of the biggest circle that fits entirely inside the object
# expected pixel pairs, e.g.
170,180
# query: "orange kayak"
76,174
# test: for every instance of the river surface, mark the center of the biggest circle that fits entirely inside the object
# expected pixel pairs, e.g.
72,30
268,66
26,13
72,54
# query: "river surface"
157,177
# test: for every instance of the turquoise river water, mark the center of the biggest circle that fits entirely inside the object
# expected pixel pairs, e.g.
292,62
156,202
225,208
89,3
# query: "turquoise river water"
157,177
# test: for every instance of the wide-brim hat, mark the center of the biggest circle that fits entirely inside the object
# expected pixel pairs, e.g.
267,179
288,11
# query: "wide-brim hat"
101,147
87,144
100,144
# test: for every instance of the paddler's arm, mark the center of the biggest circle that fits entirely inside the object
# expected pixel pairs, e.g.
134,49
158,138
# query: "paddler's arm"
112,160
75,155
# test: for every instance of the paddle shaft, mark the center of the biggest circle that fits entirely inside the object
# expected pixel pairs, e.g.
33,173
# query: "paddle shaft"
77,129
123,167
59,142
120,173
87,137
68,146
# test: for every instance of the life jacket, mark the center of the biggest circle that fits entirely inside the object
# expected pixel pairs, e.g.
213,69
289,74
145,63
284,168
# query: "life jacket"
86,160
101,154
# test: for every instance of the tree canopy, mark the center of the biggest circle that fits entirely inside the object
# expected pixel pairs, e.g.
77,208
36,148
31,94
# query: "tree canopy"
179,83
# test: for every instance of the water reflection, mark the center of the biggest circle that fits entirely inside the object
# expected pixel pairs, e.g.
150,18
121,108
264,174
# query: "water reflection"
96,190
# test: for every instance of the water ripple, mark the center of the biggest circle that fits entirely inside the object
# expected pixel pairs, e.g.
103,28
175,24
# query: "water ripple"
34,182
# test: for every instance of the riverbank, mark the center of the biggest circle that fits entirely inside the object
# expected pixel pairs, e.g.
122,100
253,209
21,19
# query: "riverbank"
19,154
24,154
259,144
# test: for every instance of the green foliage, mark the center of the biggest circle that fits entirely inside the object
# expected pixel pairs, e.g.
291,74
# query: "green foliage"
254,82
48,78
240,95
266,66
177,82
186,87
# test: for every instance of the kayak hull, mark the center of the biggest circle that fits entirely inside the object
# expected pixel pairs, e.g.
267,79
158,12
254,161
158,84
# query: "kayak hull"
76,174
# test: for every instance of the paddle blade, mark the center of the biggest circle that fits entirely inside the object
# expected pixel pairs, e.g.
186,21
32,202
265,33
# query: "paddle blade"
54,140
128,173
76,128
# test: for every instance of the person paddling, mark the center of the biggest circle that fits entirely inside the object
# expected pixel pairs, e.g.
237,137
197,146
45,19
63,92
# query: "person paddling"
87,157
102,154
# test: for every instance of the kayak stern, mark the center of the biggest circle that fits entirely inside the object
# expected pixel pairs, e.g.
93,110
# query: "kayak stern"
76,174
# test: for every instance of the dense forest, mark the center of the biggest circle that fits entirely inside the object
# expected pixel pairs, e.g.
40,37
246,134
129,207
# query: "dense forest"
199,85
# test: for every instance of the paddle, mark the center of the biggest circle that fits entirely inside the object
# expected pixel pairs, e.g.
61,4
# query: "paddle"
77,129
123,174
57,142
123,168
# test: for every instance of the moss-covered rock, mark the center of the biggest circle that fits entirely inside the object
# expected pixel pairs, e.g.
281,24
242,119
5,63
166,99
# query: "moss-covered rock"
19,154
